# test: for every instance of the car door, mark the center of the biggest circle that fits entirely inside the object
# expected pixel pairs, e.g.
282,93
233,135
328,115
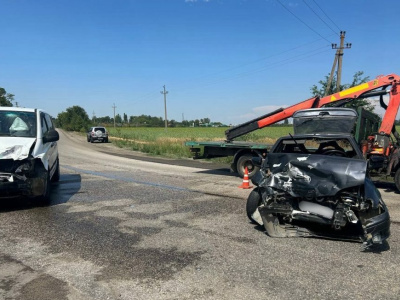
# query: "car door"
51,148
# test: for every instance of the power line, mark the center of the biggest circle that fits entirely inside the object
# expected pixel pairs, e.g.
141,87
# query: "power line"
315,13
261,59
309,27
265,68
326,14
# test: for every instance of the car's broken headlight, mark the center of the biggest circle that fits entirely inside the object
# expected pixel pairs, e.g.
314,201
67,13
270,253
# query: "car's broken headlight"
23,168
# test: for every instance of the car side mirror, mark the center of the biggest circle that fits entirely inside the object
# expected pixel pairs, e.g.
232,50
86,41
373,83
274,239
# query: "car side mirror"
257,161
51,136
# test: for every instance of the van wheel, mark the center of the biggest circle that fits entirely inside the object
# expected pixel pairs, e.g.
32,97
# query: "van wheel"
397,179
45,198
56,175
243,162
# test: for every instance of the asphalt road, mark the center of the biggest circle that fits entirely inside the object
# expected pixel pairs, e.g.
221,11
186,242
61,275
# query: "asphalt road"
123,228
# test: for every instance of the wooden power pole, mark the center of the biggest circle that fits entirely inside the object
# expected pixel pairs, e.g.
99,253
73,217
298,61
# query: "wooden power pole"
165,106
114,107
337,61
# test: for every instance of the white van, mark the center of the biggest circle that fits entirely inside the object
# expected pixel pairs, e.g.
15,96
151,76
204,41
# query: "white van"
28,153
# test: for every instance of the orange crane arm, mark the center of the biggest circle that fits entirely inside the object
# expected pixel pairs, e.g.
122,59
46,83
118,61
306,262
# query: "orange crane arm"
360,91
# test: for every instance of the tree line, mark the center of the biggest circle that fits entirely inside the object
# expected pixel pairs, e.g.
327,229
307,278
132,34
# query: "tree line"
75,118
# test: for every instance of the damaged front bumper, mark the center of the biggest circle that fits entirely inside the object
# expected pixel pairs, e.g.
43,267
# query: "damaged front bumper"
23,180
373,230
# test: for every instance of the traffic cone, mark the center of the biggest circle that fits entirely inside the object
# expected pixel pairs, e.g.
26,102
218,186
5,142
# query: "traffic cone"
245,184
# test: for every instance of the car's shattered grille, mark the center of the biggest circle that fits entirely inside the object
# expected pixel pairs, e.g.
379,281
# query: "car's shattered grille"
8,165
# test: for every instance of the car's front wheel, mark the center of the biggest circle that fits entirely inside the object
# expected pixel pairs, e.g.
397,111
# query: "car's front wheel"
253,202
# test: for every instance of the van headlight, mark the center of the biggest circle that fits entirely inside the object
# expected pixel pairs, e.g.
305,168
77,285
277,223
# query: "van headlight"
23,168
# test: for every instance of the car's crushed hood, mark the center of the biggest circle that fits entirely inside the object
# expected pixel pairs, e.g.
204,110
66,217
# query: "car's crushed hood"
312,176
16,148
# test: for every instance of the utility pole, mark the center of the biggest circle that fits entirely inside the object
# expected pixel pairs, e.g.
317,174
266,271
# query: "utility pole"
114,107
338,60
165,106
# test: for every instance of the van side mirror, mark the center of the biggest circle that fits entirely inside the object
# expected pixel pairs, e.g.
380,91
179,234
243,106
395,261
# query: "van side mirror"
51,136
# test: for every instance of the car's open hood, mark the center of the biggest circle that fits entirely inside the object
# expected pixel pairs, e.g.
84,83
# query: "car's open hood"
330,120
16,148
313,176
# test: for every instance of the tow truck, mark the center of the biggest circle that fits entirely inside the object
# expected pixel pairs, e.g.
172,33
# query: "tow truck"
378,139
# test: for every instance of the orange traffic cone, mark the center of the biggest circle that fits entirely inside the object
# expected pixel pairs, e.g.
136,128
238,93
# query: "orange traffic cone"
245,184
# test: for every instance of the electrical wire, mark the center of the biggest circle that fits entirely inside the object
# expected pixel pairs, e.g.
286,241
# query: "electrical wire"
326,15
259,70
309,27
260,59
315,13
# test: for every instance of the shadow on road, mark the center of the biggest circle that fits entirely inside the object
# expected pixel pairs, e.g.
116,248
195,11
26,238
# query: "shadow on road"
221,171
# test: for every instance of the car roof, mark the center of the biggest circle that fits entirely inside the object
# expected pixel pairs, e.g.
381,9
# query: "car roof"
13,108
25,109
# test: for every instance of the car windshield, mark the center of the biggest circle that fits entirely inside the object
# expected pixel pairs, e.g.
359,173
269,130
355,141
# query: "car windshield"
315,145
17,123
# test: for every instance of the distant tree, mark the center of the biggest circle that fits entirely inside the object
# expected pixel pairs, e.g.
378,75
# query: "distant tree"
185,123
357,79
6,99
103,120
118,119
125,118
74,118
172,123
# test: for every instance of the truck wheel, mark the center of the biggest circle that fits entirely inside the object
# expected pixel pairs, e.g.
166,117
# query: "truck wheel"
397,179
245,161
253,201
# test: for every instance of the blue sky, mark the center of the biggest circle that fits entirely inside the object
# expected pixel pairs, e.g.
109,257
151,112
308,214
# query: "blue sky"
228,60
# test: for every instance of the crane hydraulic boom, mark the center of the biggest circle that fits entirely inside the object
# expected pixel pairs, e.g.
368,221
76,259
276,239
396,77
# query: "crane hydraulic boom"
365,90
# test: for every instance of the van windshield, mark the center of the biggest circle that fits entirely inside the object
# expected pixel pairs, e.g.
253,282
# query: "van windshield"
17,123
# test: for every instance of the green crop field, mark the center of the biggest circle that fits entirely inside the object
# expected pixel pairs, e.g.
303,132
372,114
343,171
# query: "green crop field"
170,142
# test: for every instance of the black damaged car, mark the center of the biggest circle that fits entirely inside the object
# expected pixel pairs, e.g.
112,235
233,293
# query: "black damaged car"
315,183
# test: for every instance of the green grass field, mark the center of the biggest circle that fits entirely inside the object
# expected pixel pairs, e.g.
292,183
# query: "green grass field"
170,142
